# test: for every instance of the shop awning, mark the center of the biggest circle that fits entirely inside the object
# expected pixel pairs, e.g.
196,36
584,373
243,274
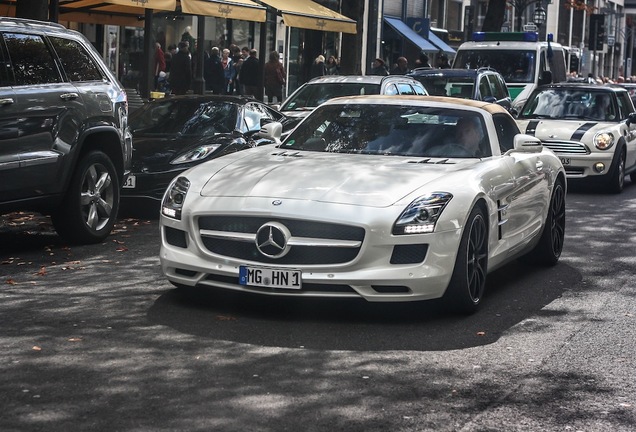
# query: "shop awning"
132,12
435,40
243,10
399,26
310,15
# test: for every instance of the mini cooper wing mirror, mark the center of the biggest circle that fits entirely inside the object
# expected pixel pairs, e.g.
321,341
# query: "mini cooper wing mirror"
631,119
546,77
271,131
527,144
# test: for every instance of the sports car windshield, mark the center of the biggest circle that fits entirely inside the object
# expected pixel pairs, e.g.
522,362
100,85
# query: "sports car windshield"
312,95
187,117
516,66
392,130
570,104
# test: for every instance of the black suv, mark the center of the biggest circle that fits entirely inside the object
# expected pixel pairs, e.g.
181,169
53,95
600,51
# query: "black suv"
483,84
64,144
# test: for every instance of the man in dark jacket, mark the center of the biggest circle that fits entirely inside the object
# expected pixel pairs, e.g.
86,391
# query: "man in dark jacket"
378,68
213,72
250,73
181,71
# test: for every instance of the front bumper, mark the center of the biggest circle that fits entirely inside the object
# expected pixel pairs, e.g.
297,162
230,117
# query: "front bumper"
185,260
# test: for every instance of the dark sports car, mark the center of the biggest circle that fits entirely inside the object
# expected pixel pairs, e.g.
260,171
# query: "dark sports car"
173,134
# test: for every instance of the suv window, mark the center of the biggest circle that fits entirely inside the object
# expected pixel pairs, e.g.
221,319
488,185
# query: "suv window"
32,61
405,89
77,62
391,90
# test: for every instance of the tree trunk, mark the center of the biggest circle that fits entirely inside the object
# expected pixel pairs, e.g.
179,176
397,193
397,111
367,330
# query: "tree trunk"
32,9
494,16
351,43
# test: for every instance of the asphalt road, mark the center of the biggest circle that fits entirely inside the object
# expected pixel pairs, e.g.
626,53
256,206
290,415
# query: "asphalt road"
92,338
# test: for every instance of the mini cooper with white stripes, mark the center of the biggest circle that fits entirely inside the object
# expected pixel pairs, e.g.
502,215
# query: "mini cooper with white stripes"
591,128
382,198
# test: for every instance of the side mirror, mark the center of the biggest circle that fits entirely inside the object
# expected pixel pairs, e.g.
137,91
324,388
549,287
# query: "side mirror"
546,77
526,144
631,118
271,131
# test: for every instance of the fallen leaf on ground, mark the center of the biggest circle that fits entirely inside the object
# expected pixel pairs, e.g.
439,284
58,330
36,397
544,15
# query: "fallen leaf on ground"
10,282
42,271
481,333
36,348
121,249
75,339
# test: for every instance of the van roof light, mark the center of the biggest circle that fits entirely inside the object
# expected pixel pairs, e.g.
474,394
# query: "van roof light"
506,36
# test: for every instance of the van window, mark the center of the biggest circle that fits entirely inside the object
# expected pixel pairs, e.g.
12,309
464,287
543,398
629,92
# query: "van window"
32,61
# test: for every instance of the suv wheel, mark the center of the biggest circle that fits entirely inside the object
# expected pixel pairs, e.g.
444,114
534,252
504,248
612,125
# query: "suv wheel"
89,209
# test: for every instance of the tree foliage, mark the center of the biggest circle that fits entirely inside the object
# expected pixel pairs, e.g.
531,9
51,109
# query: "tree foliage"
494,18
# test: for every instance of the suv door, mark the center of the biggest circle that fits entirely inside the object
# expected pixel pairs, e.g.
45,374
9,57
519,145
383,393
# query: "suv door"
9,143
50,114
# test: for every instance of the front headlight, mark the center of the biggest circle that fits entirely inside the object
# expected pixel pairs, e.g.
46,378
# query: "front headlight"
174,198
603,140
196,154
422,214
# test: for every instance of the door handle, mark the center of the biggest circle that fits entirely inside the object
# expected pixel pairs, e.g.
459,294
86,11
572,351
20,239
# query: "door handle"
539,165
69,96
6,101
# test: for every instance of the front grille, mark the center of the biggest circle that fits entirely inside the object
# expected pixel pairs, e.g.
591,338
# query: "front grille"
175,237
242,247
306,287
409,254
567,147
578,172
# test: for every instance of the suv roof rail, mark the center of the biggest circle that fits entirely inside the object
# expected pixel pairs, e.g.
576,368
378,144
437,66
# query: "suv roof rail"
30,22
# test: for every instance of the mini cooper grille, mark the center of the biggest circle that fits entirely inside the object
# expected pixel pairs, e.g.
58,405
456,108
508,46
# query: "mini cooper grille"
566,147
305,254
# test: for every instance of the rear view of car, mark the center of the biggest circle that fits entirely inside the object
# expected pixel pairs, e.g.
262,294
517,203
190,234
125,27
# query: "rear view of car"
319,90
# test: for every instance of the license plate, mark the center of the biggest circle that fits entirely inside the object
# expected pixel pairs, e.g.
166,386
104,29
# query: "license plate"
565,161
270,277
130,183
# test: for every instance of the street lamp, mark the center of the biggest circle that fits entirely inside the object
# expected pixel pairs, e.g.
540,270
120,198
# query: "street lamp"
539,16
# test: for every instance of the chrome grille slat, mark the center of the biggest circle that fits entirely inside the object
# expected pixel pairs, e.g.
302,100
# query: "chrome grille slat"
317,243
567,147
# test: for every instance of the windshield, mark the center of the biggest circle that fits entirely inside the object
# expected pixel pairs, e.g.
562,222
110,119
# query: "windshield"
392,130
461,87
188,117
312,95
516,66
569,104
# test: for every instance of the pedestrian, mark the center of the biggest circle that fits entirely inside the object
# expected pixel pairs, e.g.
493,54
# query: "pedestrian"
378,68
229,73
181,70
442,61
160,63
275,77
333,66
250,74
318,67
402,67
422,61
213,72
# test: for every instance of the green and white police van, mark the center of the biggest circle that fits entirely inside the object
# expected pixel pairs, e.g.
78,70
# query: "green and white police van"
520,57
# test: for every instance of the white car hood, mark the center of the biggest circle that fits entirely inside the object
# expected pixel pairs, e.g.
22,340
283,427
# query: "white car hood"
561,129
364,180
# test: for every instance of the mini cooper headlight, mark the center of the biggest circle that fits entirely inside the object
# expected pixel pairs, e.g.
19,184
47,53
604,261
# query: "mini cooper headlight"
196,154
603,140
174,198
422,214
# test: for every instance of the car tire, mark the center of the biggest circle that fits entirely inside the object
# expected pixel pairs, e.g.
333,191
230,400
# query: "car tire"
89,209
548,251
468,282
616,177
